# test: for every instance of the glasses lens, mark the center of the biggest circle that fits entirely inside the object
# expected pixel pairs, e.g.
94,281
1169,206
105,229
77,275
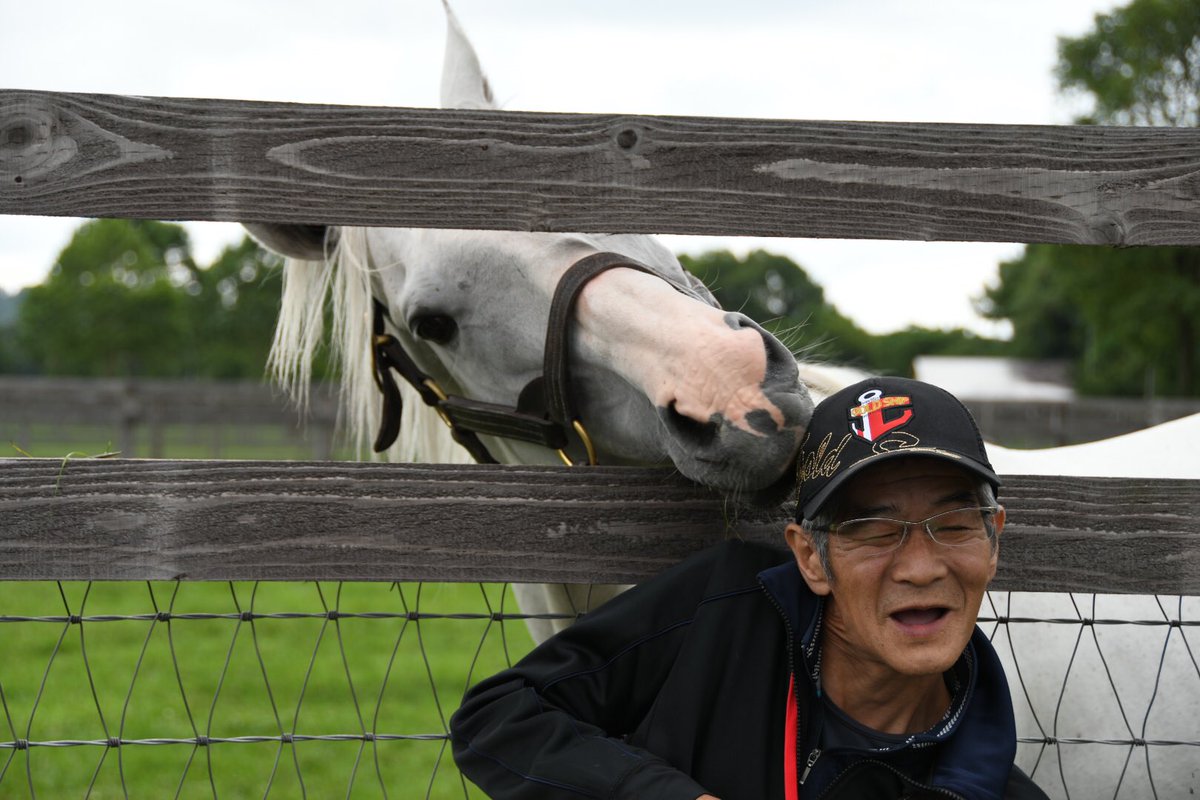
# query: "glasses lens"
958,527
879,536
870,536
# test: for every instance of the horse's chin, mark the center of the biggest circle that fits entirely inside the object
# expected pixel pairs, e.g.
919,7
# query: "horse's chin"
758,472
781,492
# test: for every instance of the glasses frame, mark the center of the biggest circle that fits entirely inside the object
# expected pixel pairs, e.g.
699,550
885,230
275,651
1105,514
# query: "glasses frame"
906,525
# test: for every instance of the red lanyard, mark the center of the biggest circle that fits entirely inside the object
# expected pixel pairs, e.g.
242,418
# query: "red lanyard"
791,789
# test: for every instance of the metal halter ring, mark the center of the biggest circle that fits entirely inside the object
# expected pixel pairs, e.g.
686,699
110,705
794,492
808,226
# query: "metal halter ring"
587,445
441,395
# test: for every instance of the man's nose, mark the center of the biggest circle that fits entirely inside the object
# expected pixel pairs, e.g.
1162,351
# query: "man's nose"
919,559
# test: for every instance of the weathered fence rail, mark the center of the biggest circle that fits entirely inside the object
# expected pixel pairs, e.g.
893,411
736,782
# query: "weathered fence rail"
101,519
160,158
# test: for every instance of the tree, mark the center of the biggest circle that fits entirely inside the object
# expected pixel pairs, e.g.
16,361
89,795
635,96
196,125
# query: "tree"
13,358
1128,318
113,304
1139,65
232,311
126,299
778,294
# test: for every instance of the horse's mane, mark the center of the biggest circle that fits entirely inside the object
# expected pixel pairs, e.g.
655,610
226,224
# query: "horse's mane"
342,284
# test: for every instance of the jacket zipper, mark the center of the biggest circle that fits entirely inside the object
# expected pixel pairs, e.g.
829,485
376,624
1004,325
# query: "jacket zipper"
808,765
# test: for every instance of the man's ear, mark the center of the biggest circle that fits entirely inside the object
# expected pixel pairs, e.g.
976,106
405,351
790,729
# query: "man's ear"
808,559
998,523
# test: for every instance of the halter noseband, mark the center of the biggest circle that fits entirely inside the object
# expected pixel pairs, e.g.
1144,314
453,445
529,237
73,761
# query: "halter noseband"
544,412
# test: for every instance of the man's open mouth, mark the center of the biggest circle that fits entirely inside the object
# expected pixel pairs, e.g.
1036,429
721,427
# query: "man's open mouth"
920,616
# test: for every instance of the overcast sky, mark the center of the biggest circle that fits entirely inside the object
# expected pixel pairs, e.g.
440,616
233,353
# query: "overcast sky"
910,60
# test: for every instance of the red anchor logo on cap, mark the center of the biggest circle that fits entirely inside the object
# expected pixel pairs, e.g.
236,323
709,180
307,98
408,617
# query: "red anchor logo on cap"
879,414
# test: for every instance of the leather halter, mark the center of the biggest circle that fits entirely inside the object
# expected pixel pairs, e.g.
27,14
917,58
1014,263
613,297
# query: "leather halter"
544,413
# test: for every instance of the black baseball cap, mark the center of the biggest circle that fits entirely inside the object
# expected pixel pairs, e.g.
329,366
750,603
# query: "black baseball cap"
881,418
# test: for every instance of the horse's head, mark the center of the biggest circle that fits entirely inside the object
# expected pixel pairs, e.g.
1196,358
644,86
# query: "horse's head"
659,373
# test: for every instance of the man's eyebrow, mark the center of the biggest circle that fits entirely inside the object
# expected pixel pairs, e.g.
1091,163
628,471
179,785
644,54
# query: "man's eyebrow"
858,512
963,495
959,495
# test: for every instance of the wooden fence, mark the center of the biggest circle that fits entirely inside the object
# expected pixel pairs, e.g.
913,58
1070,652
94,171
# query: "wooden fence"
137,415
154,158
96,519
101,155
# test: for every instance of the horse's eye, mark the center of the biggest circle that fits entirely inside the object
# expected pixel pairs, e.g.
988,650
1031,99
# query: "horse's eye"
436,328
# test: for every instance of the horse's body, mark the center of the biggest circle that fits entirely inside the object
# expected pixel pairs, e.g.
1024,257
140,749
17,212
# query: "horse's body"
664,377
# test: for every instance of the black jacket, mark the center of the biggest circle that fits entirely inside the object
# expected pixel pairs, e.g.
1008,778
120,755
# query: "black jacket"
679,688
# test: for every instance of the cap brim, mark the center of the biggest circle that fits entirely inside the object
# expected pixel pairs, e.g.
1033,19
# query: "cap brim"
966,462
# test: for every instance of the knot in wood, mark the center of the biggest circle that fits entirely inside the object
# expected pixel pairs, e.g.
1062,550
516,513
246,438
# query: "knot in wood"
627,138
30,142
1108,228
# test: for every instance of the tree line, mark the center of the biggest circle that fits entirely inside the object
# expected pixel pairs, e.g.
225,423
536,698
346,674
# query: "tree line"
126,298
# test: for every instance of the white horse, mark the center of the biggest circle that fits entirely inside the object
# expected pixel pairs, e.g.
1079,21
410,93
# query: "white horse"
664,376
660,373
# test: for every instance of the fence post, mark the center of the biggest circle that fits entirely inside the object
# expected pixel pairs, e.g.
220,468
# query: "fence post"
129,413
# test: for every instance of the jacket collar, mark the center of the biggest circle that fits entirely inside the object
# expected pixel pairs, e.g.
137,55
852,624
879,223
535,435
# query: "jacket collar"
978,741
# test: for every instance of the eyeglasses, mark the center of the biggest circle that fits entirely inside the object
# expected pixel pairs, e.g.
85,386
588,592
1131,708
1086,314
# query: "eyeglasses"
878,536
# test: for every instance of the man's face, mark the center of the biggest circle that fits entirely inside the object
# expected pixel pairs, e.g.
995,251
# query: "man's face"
911,611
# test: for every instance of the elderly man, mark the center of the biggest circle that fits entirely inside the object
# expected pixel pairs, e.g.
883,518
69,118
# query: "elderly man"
853,669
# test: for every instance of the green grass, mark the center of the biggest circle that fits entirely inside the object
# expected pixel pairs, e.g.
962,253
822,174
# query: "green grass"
152,679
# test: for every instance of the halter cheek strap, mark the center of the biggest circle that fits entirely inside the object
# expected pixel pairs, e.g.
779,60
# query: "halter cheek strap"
544,414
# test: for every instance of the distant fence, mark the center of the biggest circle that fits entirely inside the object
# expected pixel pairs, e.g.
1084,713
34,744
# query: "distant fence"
160,158
1084,419
213,417
144,418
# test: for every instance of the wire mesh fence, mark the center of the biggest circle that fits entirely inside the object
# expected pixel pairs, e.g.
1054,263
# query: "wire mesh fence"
262,689
242,690
1106,690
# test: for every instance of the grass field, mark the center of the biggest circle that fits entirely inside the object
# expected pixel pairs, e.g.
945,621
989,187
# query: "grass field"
143,679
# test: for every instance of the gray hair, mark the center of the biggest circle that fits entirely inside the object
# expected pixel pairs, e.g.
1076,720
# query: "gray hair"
817,528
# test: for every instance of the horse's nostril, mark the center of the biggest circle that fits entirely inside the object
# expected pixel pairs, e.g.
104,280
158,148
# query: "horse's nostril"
699,433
